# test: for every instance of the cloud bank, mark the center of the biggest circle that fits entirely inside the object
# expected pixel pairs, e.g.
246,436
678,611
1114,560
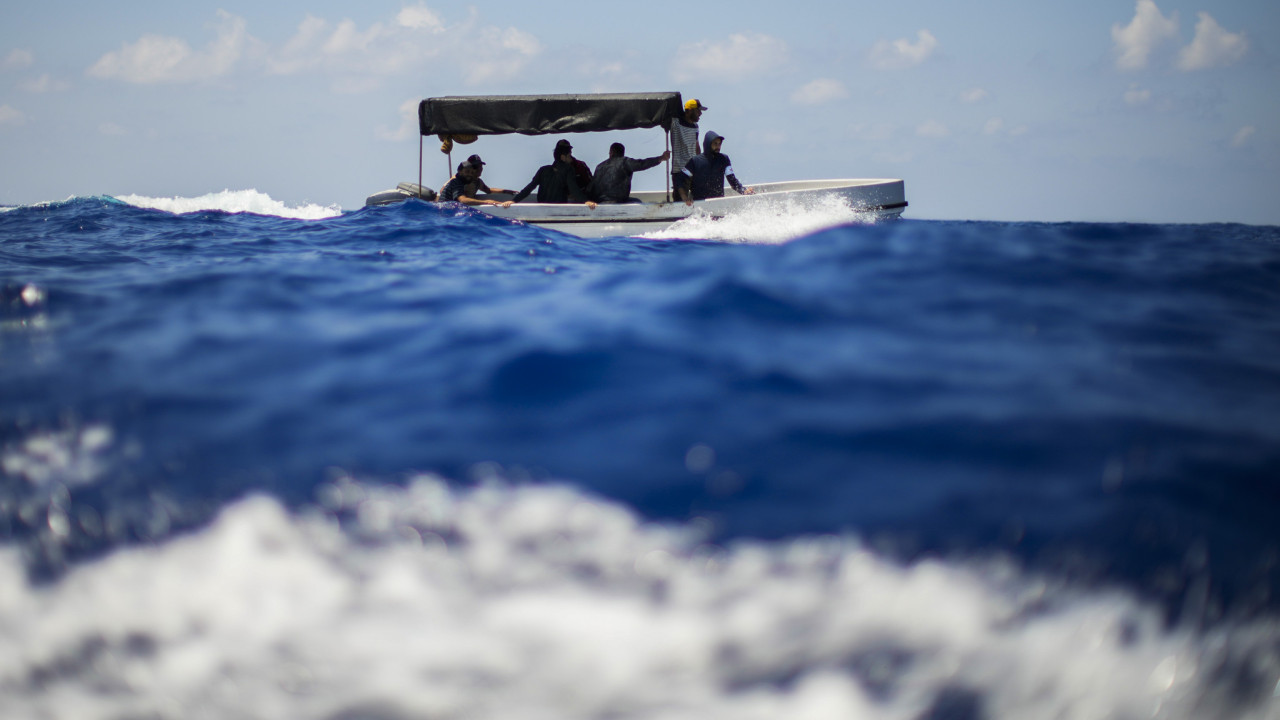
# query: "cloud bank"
902,53
17,59
1212,46
739,58
1149,31
158,59
820,91
355,56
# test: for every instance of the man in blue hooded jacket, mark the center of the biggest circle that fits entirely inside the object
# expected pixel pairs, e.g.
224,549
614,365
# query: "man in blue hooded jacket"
705,173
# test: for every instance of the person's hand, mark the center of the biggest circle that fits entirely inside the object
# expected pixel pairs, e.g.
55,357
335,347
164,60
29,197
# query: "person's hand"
750,191
666,155
689,203
591,205
505,204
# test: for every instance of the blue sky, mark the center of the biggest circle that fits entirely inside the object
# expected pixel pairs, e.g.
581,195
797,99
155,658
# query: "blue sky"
1147,110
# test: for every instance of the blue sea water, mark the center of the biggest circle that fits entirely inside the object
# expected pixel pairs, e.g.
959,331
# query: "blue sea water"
416,461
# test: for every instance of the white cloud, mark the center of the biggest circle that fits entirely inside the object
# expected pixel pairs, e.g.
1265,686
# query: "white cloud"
408,124
976,95
420,17
17,59
159,59
302,50
932,129
44,84
1212,46
900,54
111,129
738,58
817,92
418,38
356,57
1149,29
1242,136
508,51
1136,96
11,116
347,38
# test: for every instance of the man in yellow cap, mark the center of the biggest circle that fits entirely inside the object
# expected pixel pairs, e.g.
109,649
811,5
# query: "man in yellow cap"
684,139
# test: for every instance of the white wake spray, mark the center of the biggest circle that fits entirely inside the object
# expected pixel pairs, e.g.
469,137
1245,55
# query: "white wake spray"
770,221
544,602
234,201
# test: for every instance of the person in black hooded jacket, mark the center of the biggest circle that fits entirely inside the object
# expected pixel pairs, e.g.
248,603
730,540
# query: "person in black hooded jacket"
705,173
557,182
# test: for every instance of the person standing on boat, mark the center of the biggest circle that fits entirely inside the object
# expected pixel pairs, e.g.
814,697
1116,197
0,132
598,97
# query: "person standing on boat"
684,139
557,182
463,187
612,182
704,175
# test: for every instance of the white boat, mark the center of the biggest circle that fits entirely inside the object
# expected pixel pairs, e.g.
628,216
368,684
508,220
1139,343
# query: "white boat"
460,117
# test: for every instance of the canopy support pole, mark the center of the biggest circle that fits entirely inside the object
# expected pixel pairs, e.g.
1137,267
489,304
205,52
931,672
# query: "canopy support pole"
420,136
667,135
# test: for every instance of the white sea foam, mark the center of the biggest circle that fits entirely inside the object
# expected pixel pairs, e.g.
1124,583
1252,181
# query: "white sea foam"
234,201
543,602
771,221
65,457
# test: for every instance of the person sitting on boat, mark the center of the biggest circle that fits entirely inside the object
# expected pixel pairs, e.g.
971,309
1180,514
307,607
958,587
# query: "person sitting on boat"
463,187
480,185
705,173
557,182
612,183
684,139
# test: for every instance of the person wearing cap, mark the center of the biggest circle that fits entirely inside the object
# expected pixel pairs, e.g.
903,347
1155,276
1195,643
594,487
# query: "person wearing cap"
480,185
612,182
705,173
557,182
684,139
463,187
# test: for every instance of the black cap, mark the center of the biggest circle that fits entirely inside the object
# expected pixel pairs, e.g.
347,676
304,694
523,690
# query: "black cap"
475,160
563,145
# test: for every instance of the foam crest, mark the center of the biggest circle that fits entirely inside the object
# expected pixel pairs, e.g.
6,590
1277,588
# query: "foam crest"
538,602
67,457
770,221
234,201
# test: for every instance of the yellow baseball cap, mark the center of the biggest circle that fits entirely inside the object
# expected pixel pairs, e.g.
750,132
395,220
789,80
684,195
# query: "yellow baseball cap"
691,104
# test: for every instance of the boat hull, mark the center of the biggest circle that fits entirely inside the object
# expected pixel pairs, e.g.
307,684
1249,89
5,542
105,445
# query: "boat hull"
871,198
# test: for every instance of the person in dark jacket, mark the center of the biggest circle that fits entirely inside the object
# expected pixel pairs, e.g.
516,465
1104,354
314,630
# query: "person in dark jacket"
705,173
612,183
557,182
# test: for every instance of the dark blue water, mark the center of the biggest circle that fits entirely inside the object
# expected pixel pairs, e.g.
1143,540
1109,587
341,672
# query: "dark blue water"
1098,406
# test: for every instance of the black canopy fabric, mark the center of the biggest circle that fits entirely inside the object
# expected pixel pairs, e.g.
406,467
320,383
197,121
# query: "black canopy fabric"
547,114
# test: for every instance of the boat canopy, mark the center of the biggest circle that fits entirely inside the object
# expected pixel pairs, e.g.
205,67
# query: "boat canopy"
547,114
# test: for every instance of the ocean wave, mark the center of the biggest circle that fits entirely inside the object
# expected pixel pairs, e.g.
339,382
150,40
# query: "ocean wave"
543,601
234,201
